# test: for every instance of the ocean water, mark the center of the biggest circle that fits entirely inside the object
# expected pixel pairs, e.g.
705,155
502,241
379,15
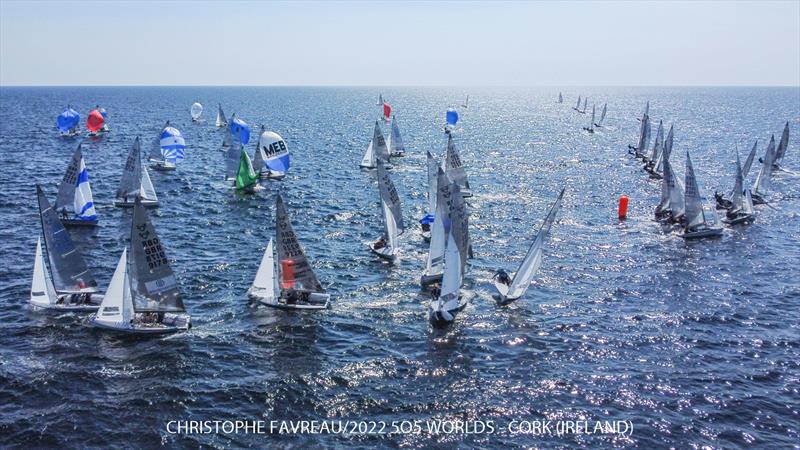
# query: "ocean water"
694,343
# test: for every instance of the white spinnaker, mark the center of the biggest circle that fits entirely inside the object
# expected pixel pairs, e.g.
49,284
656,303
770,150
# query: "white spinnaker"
41,283
147,191
196,110
83,202
533,259
117,307
265,282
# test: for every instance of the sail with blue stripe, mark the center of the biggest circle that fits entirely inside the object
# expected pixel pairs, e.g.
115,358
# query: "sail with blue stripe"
75,191
173,146
84,202
274,151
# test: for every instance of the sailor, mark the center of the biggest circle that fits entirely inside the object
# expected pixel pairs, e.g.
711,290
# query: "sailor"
305,297
503,277
436,291
64,214
426,227
380,243
291,296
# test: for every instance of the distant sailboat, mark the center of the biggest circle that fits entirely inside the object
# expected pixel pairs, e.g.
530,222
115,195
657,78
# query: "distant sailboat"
763,180
291,284
448,300
380,100
68,122
75,194
741,203
135,181
196,110
386,246
395,144
698,224
590,128
646,111
509,289
599,123
425,222
387,111
585,103
658,147
672,207
377,149
172,147
644,138
435,262
143,296
560,98
455,168
465,105
95,123
61,279
782,146
577,106
722,201
221,121
272,157
451,119
657,169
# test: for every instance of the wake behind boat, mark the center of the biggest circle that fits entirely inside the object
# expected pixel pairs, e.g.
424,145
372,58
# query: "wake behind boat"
290,284
61,279
143,296
510,289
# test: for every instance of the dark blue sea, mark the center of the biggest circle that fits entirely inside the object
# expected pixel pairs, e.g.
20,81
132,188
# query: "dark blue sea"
694,344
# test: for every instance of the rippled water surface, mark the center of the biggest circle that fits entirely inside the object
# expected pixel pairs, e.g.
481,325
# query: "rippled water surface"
694,343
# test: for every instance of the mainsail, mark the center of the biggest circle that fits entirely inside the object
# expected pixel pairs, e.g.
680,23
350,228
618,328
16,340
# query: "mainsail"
232,159
377,149
560,98
459,223
738,186
677,205
132,173
221,120
658,145
585,102
154,287
390,207
440,224
762,181
602,115
453,165
644,136
396,145
782,145
591,122
749,161
67,268
694,202
433,169
295,269
578,105
665,152
533,259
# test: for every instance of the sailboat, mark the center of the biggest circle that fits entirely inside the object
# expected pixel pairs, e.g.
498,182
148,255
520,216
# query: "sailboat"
395,142
75,194
196,110
380,100
386,246
143,296
68,122
782,145
763,179
290,284
436,251
135,181
658,147
221,121
510,289
272,156
741,209
725,203
657,168
697,224
455,168
578,105
599,124
590,128
95,123
172,147
585,103
448,300
646,111
465,105
425,222
61,279
377,149
560,98
451,119
644,138
246,177
672,207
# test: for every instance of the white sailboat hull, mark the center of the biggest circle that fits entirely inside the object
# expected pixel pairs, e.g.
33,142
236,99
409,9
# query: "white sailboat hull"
172,323
42,302
443,318
317,301
129,204
386,252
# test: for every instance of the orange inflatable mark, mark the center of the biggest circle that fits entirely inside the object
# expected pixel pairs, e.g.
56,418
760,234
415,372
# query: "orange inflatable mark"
287,274
623,207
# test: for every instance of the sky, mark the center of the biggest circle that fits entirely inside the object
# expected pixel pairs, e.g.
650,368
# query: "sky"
590,43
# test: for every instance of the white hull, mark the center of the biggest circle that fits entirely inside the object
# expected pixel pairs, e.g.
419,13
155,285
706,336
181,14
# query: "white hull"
384,253
162,166
445,318
320,301
173,324
270,175
40,300
145,203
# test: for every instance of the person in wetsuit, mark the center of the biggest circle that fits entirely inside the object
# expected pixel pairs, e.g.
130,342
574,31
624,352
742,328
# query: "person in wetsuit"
503,277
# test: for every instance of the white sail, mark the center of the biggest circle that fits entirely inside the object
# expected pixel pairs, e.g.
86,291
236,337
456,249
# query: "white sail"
433,169
396,146
560,98
692,198
658,144
221,121
147,191
435,261
451,281
116,310
466,103
368,161
578,105
602,115
591,122
533,259
665,151
749,161
738,186
747,207
390,207
677,205
43,293
782,145
762,181
265,284
196,110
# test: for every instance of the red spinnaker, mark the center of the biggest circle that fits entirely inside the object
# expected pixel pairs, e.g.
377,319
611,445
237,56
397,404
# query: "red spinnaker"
387,111
95,120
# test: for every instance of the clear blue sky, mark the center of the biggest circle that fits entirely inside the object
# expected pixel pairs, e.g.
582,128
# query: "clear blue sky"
399,43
